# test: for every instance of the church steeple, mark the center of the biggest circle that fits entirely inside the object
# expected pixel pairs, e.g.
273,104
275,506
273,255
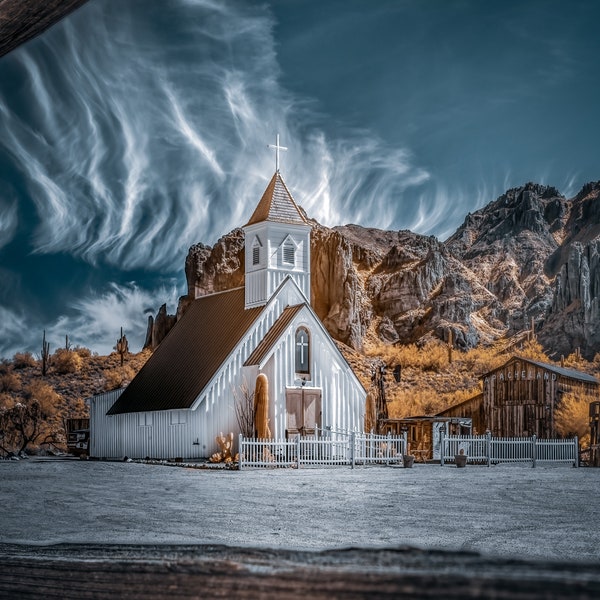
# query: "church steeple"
277,205
277,238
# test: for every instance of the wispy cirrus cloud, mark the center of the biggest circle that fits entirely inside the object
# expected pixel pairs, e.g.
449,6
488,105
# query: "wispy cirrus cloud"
8,221
134,144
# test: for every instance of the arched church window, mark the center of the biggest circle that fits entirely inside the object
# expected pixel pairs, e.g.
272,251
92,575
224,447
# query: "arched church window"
289,253
302,350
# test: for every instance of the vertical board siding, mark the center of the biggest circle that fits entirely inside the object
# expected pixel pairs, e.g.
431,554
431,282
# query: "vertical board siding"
520,398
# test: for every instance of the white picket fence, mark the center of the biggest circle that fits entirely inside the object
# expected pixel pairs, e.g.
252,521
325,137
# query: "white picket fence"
325,449
493,450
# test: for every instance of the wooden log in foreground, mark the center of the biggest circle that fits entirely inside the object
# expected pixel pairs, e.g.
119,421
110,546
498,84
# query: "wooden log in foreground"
21,20
80,571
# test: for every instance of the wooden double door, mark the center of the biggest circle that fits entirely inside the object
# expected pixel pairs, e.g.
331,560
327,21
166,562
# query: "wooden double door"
303,410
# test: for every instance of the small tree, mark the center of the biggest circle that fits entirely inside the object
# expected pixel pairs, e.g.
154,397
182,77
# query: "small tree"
244,409
34,419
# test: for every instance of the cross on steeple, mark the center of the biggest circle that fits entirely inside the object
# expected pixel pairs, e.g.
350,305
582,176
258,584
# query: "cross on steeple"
277,148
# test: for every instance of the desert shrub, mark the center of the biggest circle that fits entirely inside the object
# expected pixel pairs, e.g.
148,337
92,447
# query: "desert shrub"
432,356
10,382
22,360
66,361
533,350
481,359
44,393
6,400
118,377
571,416
82,351
576,361
426,401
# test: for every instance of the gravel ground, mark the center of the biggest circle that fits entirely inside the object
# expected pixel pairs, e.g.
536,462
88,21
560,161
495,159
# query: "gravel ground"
506,511
72,529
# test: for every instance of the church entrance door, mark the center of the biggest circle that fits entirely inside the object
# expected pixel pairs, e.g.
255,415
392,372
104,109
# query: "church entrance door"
303,411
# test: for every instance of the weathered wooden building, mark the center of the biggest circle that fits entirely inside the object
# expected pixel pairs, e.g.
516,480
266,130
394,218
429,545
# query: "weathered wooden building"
471,408
186,393
423,433
520,398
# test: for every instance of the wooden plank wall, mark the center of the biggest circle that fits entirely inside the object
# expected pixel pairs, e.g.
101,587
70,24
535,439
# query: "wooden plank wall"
519,399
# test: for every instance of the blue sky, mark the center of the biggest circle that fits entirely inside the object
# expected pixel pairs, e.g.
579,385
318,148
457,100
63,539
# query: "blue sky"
130,131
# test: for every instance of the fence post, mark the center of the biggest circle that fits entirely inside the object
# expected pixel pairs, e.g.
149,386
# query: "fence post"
533,450
388,449
576,442
442,447
297,450
405,445
488,447
240,461
352,444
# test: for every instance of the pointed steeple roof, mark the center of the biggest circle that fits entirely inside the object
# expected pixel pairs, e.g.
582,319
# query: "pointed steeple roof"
277,205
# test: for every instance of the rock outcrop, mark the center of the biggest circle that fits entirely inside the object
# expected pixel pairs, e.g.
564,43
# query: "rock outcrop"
573,320
531,255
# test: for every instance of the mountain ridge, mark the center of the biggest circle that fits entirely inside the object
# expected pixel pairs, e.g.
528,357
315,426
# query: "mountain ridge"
531,256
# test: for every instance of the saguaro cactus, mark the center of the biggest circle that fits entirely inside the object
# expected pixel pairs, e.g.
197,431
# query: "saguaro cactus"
261,407
45,355
122,346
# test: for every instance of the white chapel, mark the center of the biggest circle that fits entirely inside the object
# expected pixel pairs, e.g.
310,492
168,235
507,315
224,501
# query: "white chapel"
186,393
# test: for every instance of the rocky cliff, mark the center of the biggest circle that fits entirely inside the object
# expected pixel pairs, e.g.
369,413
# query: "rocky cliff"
531,255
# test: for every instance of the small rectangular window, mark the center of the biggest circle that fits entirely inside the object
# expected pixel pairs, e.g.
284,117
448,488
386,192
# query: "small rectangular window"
255,255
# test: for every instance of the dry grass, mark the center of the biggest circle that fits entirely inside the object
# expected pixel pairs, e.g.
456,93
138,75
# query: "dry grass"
431,383
75,376
572,416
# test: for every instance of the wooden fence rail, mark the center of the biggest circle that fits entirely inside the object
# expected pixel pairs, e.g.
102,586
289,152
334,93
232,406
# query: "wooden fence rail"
325,449
494,450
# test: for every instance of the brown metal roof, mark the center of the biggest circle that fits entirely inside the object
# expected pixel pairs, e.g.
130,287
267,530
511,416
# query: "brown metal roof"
190,355
277,205
273,334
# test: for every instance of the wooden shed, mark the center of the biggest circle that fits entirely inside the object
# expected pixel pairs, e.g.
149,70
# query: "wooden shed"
423,433
521,396
471,409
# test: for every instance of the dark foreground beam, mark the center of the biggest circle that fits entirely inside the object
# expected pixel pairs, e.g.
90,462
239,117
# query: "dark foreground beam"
149,572
21,20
